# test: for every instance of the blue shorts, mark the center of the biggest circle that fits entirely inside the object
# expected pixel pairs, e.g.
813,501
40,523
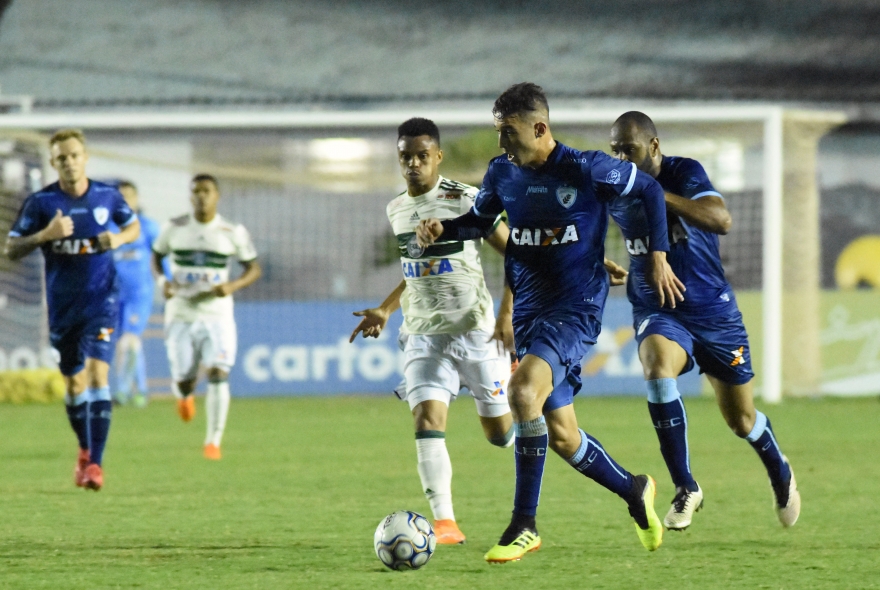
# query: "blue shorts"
92,336
717,341
562,339
134,314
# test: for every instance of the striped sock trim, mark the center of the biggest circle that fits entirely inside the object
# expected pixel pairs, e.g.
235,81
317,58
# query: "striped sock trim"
758,428
422,434
536,427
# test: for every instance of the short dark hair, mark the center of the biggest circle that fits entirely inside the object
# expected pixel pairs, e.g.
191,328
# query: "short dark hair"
126,184
640,120
208,177
418,126
524,97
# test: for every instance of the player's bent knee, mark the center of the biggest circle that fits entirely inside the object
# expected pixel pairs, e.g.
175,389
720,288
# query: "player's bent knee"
216,375
186,387
502,440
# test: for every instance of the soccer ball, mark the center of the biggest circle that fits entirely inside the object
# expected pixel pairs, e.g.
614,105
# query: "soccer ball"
404,540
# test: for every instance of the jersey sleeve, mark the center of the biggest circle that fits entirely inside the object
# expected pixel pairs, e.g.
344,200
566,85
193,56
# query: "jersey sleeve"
122,214
161,244
695,182
244,246
30,220
487,203
611,177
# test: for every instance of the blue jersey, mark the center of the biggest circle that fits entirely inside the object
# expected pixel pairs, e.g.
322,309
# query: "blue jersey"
693,253
558,216
132,260
80,275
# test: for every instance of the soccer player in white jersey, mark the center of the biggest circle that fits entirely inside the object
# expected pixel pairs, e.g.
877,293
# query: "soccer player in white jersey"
449,334
199,322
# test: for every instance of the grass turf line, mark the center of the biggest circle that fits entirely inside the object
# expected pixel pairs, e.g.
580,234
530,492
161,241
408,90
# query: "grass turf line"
304,482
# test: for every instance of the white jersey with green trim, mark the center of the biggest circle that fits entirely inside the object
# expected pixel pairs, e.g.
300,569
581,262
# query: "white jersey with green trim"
445,289
199,254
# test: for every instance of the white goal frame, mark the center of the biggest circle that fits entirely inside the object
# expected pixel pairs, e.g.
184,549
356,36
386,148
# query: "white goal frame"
769,116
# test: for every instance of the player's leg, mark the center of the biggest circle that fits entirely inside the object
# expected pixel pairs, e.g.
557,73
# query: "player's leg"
432,383
138,319
76,402
484,368
738,408
530,386
663,356
183,360
587,456
218,354
121,362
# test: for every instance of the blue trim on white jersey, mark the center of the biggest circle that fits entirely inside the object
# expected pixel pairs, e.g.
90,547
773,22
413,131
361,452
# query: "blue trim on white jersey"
632,181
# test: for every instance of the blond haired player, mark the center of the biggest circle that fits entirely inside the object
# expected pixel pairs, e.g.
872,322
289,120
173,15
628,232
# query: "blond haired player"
199,322
449,333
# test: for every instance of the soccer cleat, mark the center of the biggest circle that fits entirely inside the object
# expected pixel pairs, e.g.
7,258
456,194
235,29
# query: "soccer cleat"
186,407
684,505
93,477
525,542
447,532
79,470
212,452
787,500
641,508
139,400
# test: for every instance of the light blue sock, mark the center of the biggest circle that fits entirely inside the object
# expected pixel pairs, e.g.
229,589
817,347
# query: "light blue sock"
670,422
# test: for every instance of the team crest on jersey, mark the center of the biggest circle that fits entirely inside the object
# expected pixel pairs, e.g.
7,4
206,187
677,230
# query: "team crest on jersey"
613,177
102,214
566,195
413,249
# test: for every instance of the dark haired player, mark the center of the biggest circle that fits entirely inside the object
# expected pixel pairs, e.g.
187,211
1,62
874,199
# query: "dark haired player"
557,200
706,329
69,221
199,321
448,319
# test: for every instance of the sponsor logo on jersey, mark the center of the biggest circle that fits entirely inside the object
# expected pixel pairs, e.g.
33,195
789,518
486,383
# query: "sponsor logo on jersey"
102,214
613,177
414,216
737,357
639,246
190,277
426,268
499,388
75,246
643,325
448,196
693,182
566,195
537,189
551,236
724,297
104,334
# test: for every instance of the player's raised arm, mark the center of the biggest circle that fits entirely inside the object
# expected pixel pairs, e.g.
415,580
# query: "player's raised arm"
18,246
373,320
708,213
112,240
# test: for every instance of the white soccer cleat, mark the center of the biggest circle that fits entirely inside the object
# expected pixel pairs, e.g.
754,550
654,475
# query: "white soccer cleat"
684,505
788,513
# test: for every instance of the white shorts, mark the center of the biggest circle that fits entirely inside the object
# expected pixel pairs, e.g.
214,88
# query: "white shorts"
209,343
437,366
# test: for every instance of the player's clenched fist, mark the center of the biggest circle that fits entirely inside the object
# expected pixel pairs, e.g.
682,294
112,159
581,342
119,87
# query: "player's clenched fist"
428,231
60,226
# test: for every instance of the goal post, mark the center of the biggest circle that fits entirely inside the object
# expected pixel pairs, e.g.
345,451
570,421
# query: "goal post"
786,136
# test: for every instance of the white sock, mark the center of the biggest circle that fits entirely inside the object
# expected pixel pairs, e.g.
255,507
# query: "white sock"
217,408
435,471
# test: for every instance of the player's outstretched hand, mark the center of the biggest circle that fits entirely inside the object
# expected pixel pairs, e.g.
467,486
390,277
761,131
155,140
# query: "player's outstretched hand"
60,226
372,322
427,231
667,286
616,273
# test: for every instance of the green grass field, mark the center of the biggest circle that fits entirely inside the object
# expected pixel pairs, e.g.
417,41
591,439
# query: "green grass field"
304,482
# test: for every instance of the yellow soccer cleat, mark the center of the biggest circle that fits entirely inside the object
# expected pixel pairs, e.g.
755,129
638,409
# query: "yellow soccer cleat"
526,541
648,525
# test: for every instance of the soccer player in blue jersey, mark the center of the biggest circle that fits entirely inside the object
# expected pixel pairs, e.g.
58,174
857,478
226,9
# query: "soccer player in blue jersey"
706,329
136,287
557,200
69,221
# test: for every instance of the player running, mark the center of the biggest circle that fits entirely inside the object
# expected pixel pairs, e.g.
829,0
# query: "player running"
199,322
136,287
69,221
706,329
449,325
556,200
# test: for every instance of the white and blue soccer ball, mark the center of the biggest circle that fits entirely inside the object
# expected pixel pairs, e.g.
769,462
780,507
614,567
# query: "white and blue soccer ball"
404,540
